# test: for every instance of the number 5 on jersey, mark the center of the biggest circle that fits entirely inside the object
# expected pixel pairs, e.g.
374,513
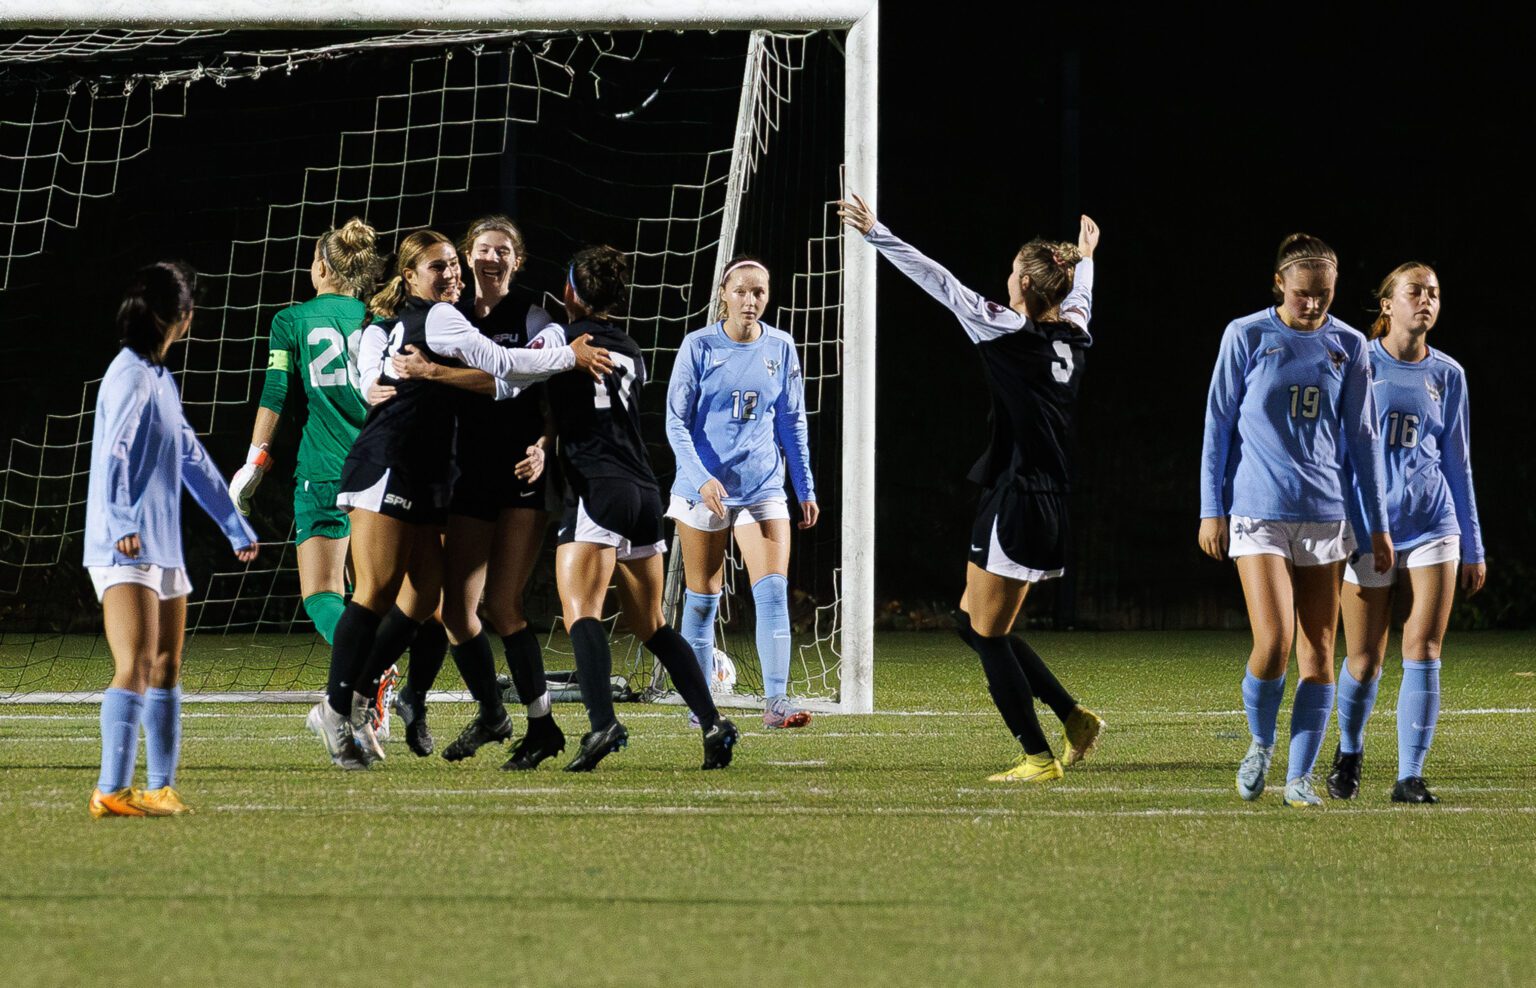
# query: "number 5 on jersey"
626,374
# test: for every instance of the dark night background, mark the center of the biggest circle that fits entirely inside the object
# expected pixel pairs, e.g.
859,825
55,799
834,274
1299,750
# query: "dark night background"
1390,137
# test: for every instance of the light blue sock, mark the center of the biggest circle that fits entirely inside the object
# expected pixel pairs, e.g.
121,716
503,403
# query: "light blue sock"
1261,700
771,594
698,629
121,711
1418,708
162,735
1309,719
1356,700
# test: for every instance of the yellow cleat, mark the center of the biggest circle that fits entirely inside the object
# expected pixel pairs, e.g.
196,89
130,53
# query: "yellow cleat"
1031,768
1082,728
164,801
124,802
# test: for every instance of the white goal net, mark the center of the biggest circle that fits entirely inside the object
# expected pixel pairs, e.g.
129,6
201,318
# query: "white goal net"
235,149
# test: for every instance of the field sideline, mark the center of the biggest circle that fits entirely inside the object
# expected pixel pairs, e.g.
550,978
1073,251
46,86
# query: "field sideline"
861,851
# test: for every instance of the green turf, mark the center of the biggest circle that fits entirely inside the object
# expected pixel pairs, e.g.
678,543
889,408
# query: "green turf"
861,851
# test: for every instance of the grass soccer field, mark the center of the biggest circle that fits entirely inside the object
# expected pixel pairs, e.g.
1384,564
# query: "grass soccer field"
860,851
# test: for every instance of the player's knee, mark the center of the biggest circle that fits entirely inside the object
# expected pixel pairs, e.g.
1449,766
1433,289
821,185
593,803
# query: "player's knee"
645,625
504,615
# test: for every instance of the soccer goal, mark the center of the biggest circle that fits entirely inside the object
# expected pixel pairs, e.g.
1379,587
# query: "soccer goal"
177,129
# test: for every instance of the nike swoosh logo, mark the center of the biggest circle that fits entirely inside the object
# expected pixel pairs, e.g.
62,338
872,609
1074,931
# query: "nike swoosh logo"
720,362
975,548
1273,349
527,493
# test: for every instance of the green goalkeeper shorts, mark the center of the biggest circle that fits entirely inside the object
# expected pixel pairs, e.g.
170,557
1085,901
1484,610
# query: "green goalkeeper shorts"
315,512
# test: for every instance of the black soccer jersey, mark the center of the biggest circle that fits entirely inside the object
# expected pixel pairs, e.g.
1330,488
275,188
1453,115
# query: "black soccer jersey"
1033,375
413,430
598,422
499,429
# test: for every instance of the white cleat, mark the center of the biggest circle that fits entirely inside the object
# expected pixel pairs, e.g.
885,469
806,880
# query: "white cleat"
1299,792
363,734
336,731
1253,769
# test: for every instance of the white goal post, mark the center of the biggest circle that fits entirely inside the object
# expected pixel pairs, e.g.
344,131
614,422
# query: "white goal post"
860,18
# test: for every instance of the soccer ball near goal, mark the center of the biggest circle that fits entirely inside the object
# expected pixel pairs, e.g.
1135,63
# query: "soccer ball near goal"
723,679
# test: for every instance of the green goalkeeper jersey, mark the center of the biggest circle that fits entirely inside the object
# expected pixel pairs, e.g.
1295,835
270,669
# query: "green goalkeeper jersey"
315,343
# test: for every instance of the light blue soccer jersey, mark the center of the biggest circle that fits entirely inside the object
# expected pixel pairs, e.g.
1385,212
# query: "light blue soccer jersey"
1422,411
736,412
1286,410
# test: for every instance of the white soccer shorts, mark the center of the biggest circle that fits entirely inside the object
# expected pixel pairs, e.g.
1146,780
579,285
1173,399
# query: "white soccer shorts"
1360,571
695,514
168,584
1304,543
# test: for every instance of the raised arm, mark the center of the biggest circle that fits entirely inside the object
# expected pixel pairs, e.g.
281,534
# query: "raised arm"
981,319
451,335
1077,307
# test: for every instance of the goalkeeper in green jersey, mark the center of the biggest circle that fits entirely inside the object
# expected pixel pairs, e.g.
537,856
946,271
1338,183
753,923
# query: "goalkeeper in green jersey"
314,346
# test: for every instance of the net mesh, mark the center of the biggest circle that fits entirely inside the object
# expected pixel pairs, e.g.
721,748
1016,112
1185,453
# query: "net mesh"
235,150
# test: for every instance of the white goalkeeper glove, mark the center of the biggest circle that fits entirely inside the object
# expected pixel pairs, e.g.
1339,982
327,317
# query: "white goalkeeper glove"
244,482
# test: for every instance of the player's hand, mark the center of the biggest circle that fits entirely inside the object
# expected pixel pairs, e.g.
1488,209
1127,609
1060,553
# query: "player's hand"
1473,576
1214,535
1087,236
809,513
531,467
713,495
129,546
856,213
243,484
379,393
592,359
1382,556
248,554
409,364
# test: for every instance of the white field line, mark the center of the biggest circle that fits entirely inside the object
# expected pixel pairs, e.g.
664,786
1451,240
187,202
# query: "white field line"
977,813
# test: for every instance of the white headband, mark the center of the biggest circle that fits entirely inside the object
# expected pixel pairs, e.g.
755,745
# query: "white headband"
741,264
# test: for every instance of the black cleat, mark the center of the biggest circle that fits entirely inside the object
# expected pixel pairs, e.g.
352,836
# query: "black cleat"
1344,777
596,744
413,712
1413,790
718,744
475,735
543,740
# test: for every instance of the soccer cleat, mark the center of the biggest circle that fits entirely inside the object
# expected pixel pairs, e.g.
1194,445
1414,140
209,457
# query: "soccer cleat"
336,731
719,742
413,713
544,739
693,720
1082,729
384,701
165,799
1413,790
124,802
368,746
1252,770
780,714
595,745
1031,768
1344,777
1299,792
477,734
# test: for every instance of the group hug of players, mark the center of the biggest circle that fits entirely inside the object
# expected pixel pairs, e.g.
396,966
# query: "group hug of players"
435,402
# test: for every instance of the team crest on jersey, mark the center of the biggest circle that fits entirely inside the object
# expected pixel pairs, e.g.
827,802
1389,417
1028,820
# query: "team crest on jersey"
771,364
1338,357
1433,389
537,343
994,308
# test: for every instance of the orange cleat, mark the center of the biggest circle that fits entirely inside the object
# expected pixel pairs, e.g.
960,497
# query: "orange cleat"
124,802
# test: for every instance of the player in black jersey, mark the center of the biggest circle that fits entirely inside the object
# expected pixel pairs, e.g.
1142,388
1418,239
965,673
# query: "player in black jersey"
396,480
496,514
613,515
1032,353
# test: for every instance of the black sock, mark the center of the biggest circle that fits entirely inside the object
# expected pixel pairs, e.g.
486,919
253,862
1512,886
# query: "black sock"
394,636
478,667
427,654
525,661
594,667
678,658
1010,691
351,645
1041,680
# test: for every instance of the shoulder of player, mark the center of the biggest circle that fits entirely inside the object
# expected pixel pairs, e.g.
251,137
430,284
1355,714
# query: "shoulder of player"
1451,364
1347,335
129,373
778,336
